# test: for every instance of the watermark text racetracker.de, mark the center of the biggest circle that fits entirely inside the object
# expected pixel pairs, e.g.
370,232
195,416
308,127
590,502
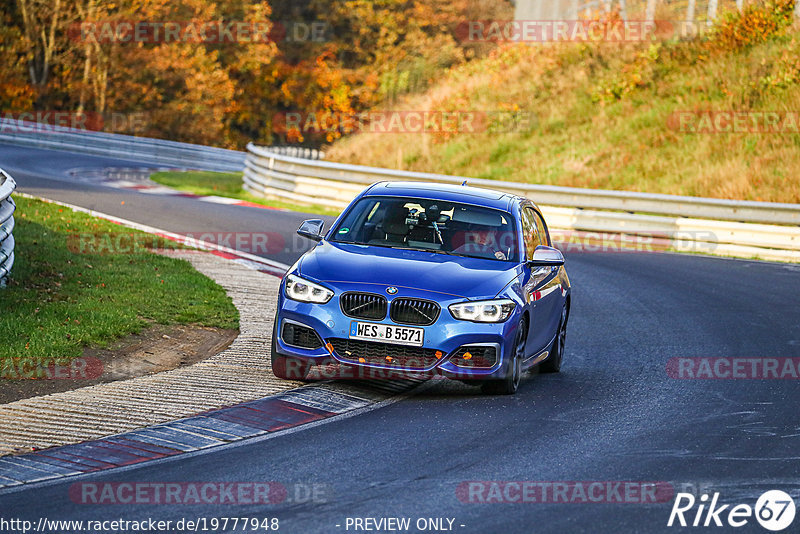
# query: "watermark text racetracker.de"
571,31
130,242
564,492
704,242
734,122
50,368
198,492
207,32
734,368
53,121
404,122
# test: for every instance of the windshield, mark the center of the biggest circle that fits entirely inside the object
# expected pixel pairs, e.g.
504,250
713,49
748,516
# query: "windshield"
430,225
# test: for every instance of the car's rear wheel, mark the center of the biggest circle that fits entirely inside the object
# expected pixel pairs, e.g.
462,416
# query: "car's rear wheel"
284,367
553,363
510,384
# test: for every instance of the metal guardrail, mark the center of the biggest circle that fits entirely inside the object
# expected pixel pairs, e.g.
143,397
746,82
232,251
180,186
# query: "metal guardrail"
298,152
736,228
137,149
141,149
7,208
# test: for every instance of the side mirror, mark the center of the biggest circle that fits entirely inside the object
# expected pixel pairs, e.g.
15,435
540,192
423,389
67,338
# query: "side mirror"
312,229
546,257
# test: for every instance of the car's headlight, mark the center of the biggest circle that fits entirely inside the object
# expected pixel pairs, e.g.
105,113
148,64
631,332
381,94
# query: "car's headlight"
487,311
301,289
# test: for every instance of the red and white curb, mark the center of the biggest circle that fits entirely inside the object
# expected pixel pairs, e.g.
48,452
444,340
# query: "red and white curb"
119,177
267,417
167,191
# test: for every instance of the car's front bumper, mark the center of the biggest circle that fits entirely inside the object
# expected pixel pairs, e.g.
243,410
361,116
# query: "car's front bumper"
447,336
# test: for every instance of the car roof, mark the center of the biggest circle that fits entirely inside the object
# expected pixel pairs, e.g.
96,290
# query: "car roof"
446,192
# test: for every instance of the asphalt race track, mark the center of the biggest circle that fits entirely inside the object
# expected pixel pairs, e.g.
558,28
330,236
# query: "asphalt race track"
613,414
44,173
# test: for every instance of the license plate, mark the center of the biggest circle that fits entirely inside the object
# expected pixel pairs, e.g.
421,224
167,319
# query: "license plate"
386,333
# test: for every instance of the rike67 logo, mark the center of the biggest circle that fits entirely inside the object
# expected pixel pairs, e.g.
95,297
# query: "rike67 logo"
774,510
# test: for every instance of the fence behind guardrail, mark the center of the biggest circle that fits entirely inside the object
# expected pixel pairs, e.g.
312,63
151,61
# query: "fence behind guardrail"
7,207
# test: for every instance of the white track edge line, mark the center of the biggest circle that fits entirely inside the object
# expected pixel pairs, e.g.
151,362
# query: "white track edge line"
171,235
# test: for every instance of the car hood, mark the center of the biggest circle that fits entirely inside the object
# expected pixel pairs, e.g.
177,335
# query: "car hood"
452,275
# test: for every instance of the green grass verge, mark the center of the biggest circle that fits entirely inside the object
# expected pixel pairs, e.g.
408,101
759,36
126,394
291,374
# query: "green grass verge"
61,299
227,184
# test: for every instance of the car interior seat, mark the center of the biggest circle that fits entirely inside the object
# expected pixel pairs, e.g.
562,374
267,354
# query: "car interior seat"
394,228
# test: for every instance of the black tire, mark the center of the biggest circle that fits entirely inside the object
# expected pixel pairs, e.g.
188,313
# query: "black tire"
553,362
290,368
284,367
510,384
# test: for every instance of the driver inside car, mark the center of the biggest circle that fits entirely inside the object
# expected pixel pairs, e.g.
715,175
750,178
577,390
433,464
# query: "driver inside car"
482,242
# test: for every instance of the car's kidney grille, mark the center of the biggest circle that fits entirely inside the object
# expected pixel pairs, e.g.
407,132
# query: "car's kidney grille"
300,336
363,305
385,354
414,311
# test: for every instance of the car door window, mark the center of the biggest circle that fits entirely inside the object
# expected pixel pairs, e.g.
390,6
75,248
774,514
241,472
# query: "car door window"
544,236
530,231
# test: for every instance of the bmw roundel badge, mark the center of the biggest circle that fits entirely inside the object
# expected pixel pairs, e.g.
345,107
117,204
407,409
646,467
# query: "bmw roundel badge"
391,290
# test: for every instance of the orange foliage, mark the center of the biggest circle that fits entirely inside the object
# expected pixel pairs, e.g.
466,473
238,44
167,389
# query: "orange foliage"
230,93
755,24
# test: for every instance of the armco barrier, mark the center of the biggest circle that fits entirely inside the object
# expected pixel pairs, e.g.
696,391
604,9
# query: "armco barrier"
7,207
764,230
138,149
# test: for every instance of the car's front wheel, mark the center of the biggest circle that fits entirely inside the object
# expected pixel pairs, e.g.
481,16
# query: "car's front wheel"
553,363
510,384
289,368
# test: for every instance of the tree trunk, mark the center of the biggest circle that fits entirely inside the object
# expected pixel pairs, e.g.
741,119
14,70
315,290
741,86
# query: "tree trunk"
40,21
712,11
689,25
87,69
49,43
651,10
623,10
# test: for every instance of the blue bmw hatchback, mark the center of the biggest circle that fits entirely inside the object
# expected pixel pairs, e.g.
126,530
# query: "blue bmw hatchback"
425,279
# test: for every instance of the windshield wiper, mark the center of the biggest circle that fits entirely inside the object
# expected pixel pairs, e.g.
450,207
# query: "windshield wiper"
433,251
417,249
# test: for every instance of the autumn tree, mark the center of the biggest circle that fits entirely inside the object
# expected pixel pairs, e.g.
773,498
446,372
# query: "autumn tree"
228,93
